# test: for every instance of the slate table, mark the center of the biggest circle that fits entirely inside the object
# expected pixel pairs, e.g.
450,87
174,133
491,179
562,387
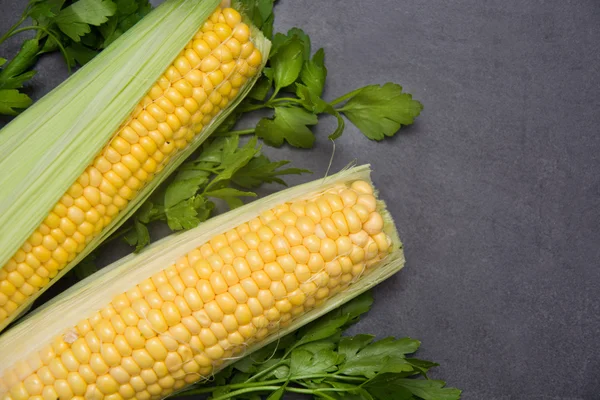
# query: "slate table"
495,189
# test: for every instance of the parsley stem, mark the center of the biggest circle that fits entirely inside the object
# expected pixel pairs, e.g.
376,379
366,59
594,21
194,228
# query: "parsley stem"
275,93
345,97
316,392
50,35
284,100
238,132
266,371
247,390
255,107
13,29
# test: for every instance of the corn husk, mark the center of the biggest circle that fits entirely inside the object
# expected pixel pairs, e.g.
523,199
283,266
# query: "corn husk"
45,149
59,315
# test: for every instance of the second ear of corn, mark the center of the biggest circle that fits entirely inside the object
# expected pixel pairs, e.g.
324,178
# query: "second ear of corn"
201,302
202,81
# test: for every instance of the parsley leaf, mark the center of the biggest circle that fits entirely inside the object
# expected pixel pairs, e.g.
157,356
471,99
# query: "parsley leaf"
289,124
429,389
139,237
316,360
15,73
304,362
314,73
12,101
261,170
380,111
75,20
287,62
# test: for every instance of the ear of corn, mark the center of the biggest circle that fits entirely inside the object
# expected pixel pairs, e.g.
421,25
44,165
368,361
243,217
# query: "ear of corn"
190,304
82,159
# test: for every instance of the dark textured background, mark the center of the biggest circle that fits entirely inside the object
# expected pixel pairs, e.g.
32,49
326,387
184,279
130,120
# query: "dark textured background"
495,189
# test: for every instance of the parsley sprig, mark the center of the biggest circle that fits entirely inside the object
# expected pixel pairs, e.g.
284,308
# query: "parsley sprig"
222,168
77,29
317,360
292,88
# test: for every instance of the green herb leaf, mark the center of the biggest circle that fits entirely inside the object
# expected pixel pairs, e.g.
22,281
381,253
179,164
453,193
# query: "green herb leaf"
314,73
310,100
278,394
262,86
188,213
357,307
75,20
322,329
289,124
86,267
43,10
349,346
380,111
260,12
81,54
429,389
183,189
261,170
304,38
304,362
12,101
287,62
386,355
139,236
14,74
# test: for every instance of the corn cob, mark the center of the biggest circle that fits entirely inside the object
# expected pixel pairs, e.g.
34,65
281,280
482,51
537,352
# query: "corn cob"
205,297
202,81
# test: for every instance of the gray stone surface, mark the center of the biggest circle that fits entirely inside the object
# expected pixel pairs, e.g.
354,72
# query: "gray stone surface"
495,189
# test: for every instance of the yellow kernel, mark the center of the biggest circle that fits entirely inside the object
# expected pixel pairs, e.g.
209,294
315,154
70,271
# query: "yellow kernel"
209,64
213,311
215,98
362,187
243,315
215,352
219,330
301,254
234,47
344,245
238,293
223,31
33,384
254,259
358,255
241,32
211,39
207,337
229,274
328,249
254,59
267,252
261,279
312,243
232,17
368,201
329,228
266,299
302,273
374,224
278,290
201,48
312,211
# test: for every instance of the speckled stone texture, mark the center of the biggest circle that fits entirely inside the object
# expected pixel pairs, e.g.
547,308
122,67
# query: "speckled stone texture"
495,189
